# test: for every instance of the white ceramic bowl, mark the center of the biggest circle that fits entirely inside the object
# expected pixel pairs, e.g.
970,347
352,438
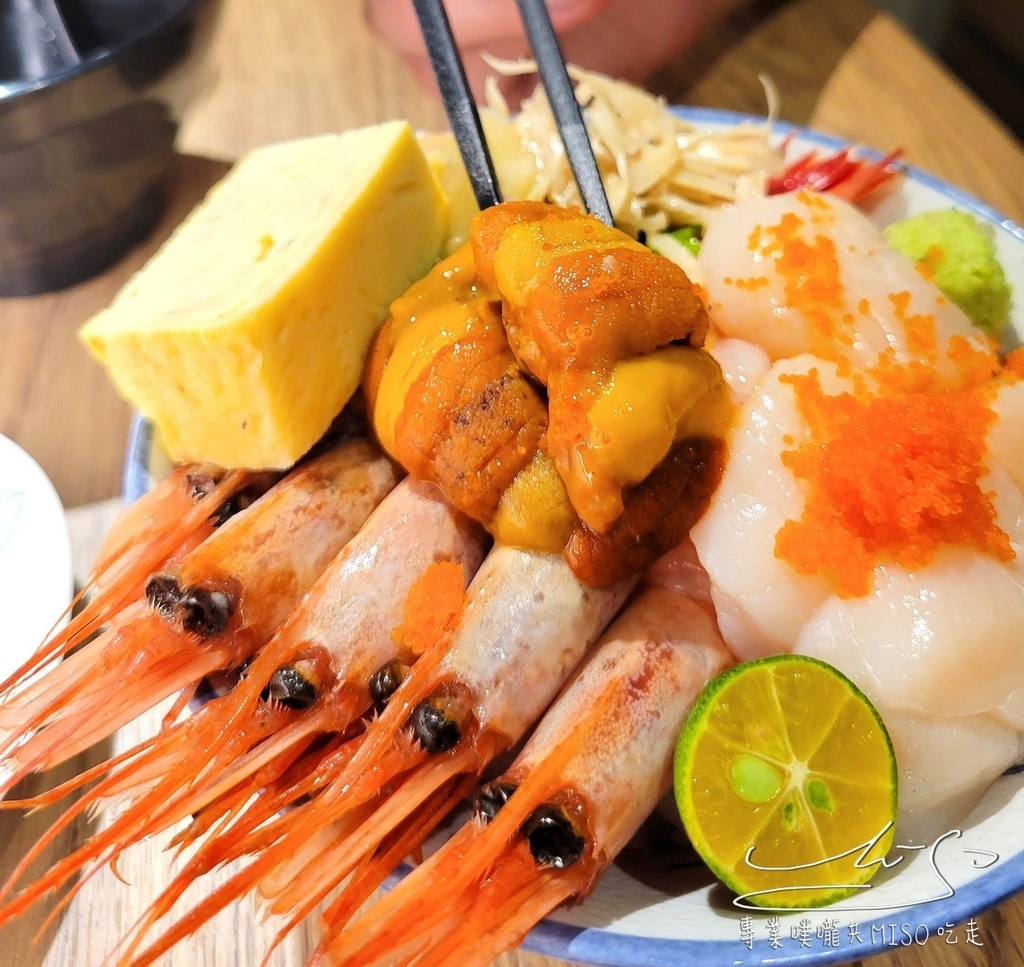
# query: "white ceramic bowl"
678,916
35,556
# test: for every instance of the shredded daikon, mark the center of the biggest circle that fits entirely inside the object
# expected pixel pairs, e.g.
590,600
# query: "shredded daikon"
659,170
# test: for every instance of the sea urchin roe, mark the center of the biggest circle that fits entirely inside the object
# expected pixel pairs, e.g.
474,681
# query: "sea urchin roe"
450,403
578,297
534,511
658,513
888,478
547,376
647,404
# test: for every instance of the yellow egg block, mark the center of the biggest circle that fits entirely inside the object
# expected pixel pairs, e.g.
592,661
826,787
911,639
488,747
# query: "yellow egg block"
245,335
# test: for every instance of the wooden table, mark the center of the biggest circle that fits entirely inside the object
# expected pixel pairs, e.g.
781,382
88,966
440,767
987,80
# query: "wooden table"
309,66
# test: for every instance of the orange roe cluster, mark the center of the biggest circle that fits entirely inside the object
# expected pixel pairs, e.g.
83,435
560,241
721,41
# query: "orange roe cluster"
431,605
814,287
1015,364
929,265
920,328
813,280
974,364
889,478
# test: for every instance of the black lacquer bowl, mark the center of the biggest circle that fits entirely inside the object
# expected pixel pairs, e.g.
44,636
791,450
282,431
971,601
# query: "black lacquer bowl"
87,133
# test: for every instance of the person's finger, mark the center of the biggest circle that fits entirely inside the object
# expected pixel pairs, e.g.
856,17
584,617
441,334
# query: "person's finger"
633,38
475,23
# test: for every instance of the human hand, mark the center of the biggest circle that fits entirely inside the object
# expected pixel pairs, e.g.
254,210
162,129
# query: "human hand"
629,39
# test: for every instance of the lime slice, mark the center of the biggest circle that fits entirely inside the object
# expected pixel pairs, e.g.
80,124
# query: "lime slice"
785,780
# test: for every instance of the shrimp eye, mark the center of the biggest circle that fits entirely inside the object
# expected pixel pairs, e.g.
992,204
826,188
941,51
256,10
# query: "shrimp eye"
436,724
553,838
491,798
289,686
385,680
163,593
204,613
228,509
242,671
200,483
235,505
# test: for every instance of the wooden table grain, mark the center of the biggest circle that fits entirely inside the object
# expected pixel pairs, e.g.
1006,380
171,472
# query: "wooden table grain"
306,66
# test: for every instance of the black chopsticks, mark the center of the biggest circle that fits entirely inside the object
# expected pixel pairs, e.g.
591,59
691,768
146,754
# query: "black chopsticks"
465,121
458,101
568,116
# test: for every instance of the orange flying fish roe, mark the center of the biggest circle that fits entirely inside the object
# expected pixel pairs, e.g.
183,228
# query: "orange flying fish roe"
810,270
975,364
915,376
920,328
1015,363
431,606
752,284
929,265
889,478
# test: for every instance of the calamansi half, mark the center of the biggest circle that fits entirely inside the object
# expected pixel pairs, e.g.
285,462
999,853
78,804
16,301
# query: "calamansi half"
786,782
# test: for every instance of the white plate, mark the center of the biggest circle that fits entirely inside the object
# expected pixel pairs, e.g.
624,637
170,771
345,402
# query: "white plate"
680,917
35,556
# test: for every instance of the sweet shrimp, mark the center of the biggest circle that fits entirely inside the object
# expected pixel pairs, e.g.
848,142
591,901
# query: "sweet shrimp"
322,671
526,623
544,832
209,613
315,676
159,528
